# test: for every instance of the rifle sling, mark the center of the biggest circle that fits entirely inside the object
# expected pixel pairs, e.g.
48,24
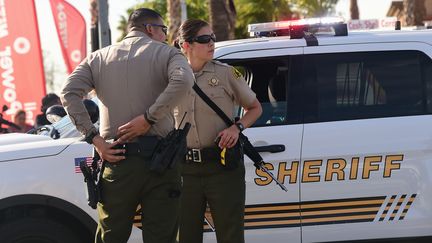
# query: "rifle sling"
248,147
250,151
212,105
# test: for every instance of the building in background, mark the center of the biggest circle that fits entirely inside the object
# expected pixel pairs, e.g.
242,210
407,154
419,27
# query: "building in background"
414,12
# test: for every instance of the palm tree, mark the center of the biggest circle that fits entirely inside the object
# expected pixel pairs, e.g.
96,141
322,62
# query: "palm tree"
414,12
259,11
223,18
174,16
354,10
195,9
315,8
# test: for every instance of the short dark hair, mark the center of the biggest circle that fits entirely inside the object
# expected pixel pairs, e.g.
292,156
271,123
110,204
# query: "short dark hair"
49,100
19,112
188,30
142,15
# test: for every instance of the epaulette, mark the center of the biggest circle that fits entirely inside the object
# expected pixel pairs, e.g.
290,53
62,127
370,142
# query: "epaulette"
236,73
220,63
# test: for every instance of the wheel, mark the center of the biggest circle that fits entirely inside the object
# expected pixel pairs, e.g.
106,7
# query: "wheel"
36,230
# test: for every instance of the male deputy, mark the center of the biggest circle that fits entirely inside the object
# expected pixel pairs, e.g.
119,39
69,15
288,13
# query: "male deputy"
138,82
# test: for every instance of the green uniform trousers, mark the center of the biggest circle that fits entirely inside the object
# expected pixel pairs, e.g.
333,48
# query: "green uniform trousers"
224,191
129,183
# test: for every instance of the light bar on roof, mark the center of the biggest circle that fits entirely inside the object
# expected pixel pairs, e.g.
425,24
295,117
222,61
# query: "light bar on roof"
286,27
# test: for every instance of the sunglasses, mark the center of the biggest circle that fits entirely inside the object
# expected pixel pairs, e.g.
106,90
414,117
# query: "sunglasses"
163,27
204,39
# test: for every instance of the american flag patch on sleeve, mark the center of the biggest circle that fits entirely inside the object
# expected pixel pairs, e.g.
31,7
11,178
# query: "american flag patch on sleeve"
88,160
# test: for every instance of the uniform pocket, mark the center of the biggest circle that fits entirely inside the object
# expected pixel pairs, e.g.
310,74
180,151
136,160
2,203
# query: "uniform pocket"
215,92
221,98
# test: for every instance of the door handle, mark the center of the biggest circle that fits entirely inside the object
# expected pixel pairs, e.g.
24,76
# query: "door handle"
274,148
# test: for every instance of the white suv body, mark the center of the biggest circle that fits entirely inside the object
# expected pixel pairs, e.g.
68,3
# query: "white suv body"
42,192
353,113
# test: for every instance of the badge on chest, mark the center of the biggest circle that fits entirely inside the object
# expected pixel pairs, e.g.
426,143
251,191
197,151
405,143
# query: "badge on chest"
213,82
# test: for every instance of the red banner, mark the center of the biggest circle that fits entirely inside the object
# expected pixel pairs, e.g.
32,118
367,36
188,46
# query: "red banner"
22,80
71,30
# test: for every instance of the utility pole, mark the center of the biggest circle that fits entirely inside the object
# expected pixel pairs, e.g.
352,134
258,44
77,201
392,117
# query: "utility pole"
94,30
104,30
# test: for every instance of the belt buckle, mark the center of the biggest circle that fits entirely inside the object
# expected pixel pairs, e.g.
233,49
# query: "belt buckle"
196,155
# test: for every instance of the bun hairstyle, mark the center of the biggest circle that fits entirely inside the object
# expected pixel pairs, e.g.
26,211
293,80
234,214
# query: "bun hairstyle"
189,30
176,43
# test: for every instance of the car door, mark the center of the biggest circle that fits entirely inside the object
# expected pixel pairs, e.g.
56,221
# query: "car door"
272,214
366,152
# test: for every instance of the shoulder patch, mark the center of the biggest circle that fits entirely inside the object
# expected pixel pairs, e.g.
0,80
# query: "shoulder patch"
236,73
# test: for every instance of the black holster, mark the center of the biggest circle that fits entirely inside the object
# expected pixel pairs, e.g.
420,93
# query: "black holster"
92,177
170,149
231,157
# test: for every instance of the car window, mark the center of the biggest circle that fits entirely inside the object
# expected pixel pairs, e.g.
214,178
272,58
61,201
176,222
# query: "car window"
269,79
427,74
367,85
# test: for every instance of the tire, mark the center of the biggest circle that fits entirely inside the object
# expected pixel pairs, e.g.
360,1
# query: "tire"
36,230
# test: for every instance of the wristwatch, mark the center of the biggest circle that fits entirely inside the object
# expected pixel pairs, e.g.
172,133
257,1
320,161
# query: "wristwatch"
89,136
240,126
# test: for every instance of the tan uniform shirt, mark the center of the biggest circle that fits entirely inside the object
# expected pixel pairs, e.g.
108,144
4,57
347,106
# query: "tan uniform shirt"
227,88
135,76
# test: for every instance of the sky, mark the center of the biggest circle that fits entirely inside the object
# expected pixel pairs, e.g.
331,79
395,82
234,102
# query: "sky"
51,48
368,9
49,39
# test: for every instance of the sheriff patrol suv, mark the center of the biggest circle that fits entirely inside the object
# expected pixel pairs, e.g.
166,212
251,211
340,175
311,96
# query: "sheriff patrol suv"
352,109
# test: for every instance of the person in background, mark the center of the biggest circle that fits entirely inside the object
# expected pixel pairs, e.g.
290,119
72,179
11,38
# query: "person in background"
20,119
206,180
47,101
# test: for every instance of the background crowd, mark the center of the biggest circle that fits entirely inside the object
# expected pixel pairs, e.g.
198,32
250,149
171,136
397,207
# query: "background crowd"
19,118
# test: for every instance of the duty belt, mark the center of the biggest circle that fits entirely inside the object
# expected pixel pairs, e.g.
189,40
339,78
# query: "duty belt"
130,148
201,155
144,147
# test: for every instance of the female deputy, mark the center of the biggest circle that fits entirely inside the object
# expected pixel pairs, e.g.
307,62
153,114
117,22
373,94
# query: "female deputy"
205,179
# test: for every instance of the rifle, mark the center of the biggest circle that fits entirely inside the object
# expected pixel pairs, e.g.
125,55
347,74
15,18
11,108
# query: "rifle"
91,178
249,149
258,161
